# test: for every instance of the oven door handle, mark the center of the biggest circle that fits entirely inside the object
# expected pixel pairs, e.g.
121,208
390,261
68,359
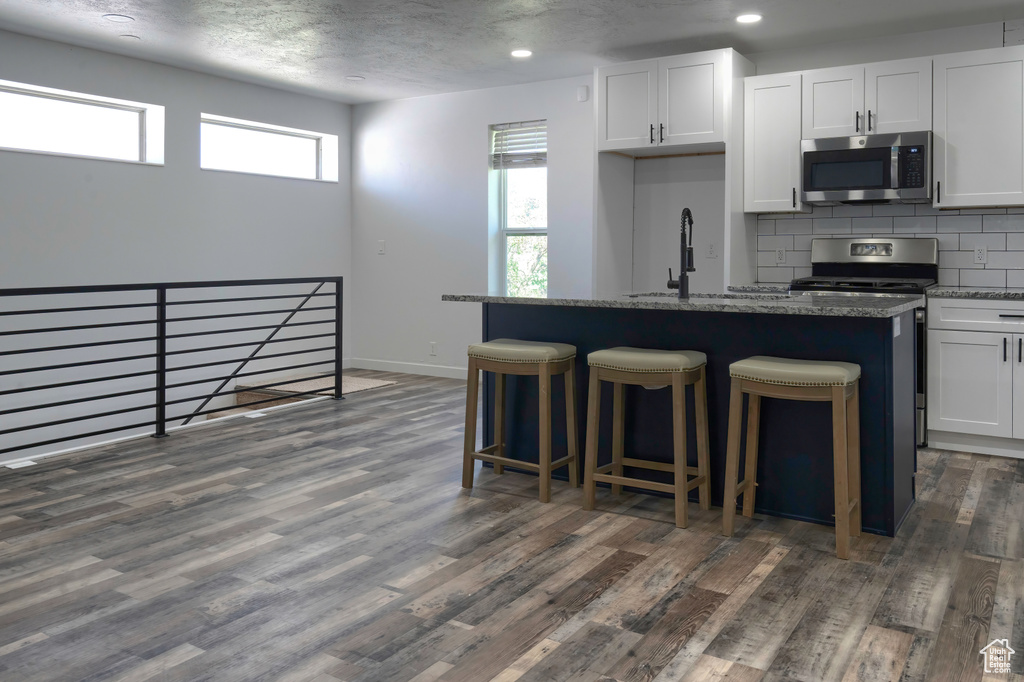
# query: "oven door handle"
1010,315
894,168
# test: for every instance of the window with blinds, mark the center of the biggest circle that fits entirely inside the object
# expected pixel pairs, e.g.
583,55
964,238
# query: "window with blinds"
519,156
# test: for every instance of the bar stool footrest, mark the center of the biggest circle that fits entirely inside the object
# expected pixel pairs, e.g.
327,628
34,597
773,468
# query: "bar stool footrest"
506,461
635,483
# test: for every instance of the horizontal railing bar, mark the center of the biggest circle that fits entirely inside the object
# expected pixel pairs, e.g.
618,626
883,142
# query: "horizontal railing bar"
262,327
255,312
72,346
71,420
244,390
76,309
258,357
77,436
247,343
254,402
75,401
246,298
252,374
83,363
75,328
78,382
88,289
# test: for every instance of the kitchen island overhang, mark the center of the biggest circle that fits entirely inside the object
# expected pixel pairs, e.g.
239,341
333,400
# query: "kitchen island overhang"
795,462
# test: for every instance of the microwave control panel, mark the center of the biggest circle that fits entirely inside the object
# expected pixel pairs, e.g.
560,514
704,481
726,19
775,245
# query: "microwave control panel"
912,166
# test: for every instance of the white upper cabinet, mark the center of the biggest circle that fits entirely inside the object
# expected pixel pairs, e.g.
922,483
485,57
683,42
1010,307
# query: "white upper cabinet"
627,105
771,147
979,128
660,102
886,97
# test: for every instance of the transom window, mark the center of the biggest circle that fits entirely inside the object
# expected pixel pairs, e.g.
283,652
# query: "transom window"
51,121
232,144
519,156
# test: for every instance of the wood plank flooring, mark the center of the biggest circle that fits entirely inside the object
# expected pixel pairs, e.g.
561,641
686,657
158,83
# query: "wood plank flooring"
333,542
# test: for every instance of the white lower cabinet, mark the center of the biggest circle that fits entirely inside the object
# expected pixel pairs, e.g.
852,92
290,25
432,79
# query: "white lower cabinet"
975,375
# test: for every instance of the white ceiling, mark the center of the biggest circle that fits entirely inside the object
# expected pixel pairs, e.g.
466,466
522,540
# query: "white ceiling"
406,48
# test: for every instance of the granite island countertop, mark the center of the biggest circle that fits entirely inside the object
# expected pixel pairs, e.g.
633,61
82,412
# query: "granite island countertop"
769,303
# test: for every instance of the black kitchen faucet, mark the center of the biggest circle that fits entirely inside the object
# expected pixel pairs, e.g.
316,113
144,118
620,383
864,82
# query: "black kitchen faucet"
685,256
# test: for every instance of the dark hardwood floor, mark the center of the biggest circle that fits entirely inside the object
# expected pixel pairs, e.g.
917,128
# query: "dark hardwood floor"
332,541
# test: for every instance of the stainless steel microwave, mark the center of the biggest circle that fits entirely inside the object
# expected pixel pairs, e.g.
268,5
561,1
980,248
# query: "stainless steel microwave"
882,169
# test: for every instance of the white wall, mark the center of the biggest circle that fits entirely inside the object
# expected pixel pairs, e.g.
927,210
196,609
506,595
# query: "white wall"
420,184
69,221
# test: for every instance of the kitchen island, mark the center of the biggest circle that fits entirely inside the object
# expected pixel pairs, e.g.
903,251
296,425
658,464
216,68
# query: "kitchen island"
795,461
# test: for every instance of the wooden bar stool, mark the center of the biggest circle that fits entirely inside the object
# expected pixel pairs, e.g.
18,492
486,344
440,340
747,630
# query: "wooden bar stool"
836,382
524,358
651,369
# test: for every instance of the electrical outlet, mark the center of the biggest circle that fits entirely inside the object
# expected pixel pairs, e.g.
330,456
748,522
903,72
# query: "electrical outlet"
712,250
780,255
433,347
380,247
981,254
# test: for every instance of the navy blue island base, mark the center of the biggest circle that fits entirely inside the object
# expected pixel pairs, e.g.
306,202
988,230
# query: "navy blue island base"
795,461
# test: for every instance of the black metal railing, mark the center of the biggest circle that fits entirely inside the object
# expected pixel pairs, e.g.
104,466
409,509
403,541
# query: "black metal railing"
77,363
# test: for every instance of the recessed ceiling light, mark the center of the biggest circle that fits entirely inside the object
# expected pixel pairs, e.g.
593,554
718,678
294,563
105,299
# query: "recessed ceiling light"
748,18
521,54
355,79
128,36
118,18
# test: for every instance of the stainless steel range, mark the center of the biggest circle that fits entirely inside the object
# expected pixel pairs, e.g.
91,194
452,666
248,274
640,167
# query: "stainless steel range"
878,267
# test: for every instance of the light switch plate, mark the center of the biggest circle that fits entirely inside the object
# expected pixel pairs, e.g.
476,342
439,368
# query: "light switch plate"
380,247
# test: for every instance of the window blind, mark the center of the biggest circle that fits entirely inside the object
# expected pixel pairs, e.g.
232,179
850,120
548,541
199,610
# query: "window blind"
519,145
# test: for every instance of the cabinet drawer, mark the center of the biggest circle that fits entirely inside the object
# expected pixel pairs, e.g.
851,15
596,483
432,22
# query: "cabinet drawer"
976,314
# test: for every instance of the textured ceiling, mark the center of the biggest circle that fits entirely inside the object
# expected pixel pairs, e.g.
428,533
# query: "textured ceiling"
410,48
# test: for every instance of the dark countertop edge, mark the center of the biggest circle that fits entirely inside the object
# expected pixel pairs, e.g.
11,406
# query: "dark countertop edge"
753,307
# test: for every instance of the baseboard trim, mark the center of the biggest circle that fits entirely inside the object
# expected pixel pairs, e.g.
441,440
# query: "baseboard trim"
409,368
982,445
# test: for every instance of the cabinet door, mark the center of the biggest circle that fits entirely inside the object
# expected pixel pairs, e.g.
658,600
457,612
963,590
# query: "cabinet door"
979,128
970,382
833,102
691,99
898,96
771,143
627,105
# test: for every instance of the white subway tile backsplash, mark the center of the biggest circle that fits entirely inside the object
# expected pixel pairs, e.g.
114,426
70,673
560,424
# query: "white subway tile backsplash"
1006,259
1015,278
947,242
821,212
1004,223
926,209
993,241
832,225
775,275
949,277
894,209
802,242
799,226
873,225
766,259
958,259
982,211
958,223
798,259
1015,209
913,224
766,227
772,242
851,211
983,278
801,272
1015,241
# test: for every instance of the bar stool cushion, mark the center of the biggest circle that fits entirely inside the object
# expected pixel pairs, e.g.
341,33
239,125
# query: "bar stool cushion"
625,359
514,350
791,372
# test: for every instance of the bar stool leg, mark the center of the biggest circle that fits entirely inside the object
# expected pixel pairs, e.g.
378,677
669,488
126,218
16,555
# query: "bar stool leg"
679,447
470,444
853,455
590,456
618,432
841,472
753,434
499,419
700,407
570,425
544,396
732,458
